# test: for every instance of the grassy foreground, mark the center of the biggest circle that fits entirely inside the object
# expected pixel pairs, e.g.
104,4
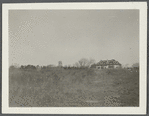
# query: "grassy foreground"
58,87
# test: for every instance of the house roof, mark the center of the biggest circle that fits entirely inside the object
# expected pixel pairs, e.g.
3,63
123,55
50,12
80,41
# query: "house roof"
107,62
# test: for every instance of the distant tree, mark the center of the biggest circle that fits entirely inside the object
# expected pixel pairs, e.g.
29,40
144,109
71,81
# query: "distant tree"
12,67
44,67
135,65
30,67
69,66
76,65
82,63
65,67
22,67
38,67
91,61
15,65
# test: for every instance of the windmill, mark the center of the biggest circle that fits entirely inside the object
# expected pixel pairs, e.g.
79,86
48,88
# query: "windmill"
59,63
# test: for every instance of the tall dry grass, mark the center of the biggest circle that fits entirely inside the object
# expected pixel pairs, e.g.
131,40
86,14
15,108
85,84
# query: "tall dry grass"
55,87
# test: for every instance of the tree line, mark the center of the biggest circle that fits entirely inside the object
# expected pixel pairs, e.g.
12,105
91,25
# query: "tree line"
82,63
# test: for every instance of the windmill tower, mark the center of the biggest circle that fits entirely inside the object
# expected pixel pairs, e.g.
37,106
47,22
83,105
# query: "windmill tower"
60,64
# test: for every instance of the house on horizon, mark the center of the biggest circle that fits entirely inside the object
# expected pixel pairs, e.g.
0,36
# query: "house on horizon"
106,64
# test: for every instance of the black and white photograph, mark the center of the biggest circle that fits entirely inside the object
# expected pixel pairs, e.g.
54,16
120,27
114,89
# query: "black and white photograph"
74,58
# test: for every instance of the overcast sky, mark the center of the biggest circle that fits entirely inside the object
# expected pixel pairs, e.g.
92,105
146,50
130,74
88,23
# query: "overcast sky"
43,37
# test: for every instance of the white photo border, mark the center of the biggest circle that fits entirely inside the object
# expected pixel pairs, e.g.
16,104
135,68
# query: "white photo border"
141,6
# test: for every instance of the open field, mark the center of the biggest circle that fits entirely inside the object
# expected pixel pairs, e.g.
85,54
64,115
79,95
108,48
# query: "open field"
57,87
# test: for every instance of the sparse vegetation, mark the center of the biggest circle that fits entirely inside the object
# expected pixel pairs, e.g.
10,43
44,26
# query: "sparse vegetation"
84,87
